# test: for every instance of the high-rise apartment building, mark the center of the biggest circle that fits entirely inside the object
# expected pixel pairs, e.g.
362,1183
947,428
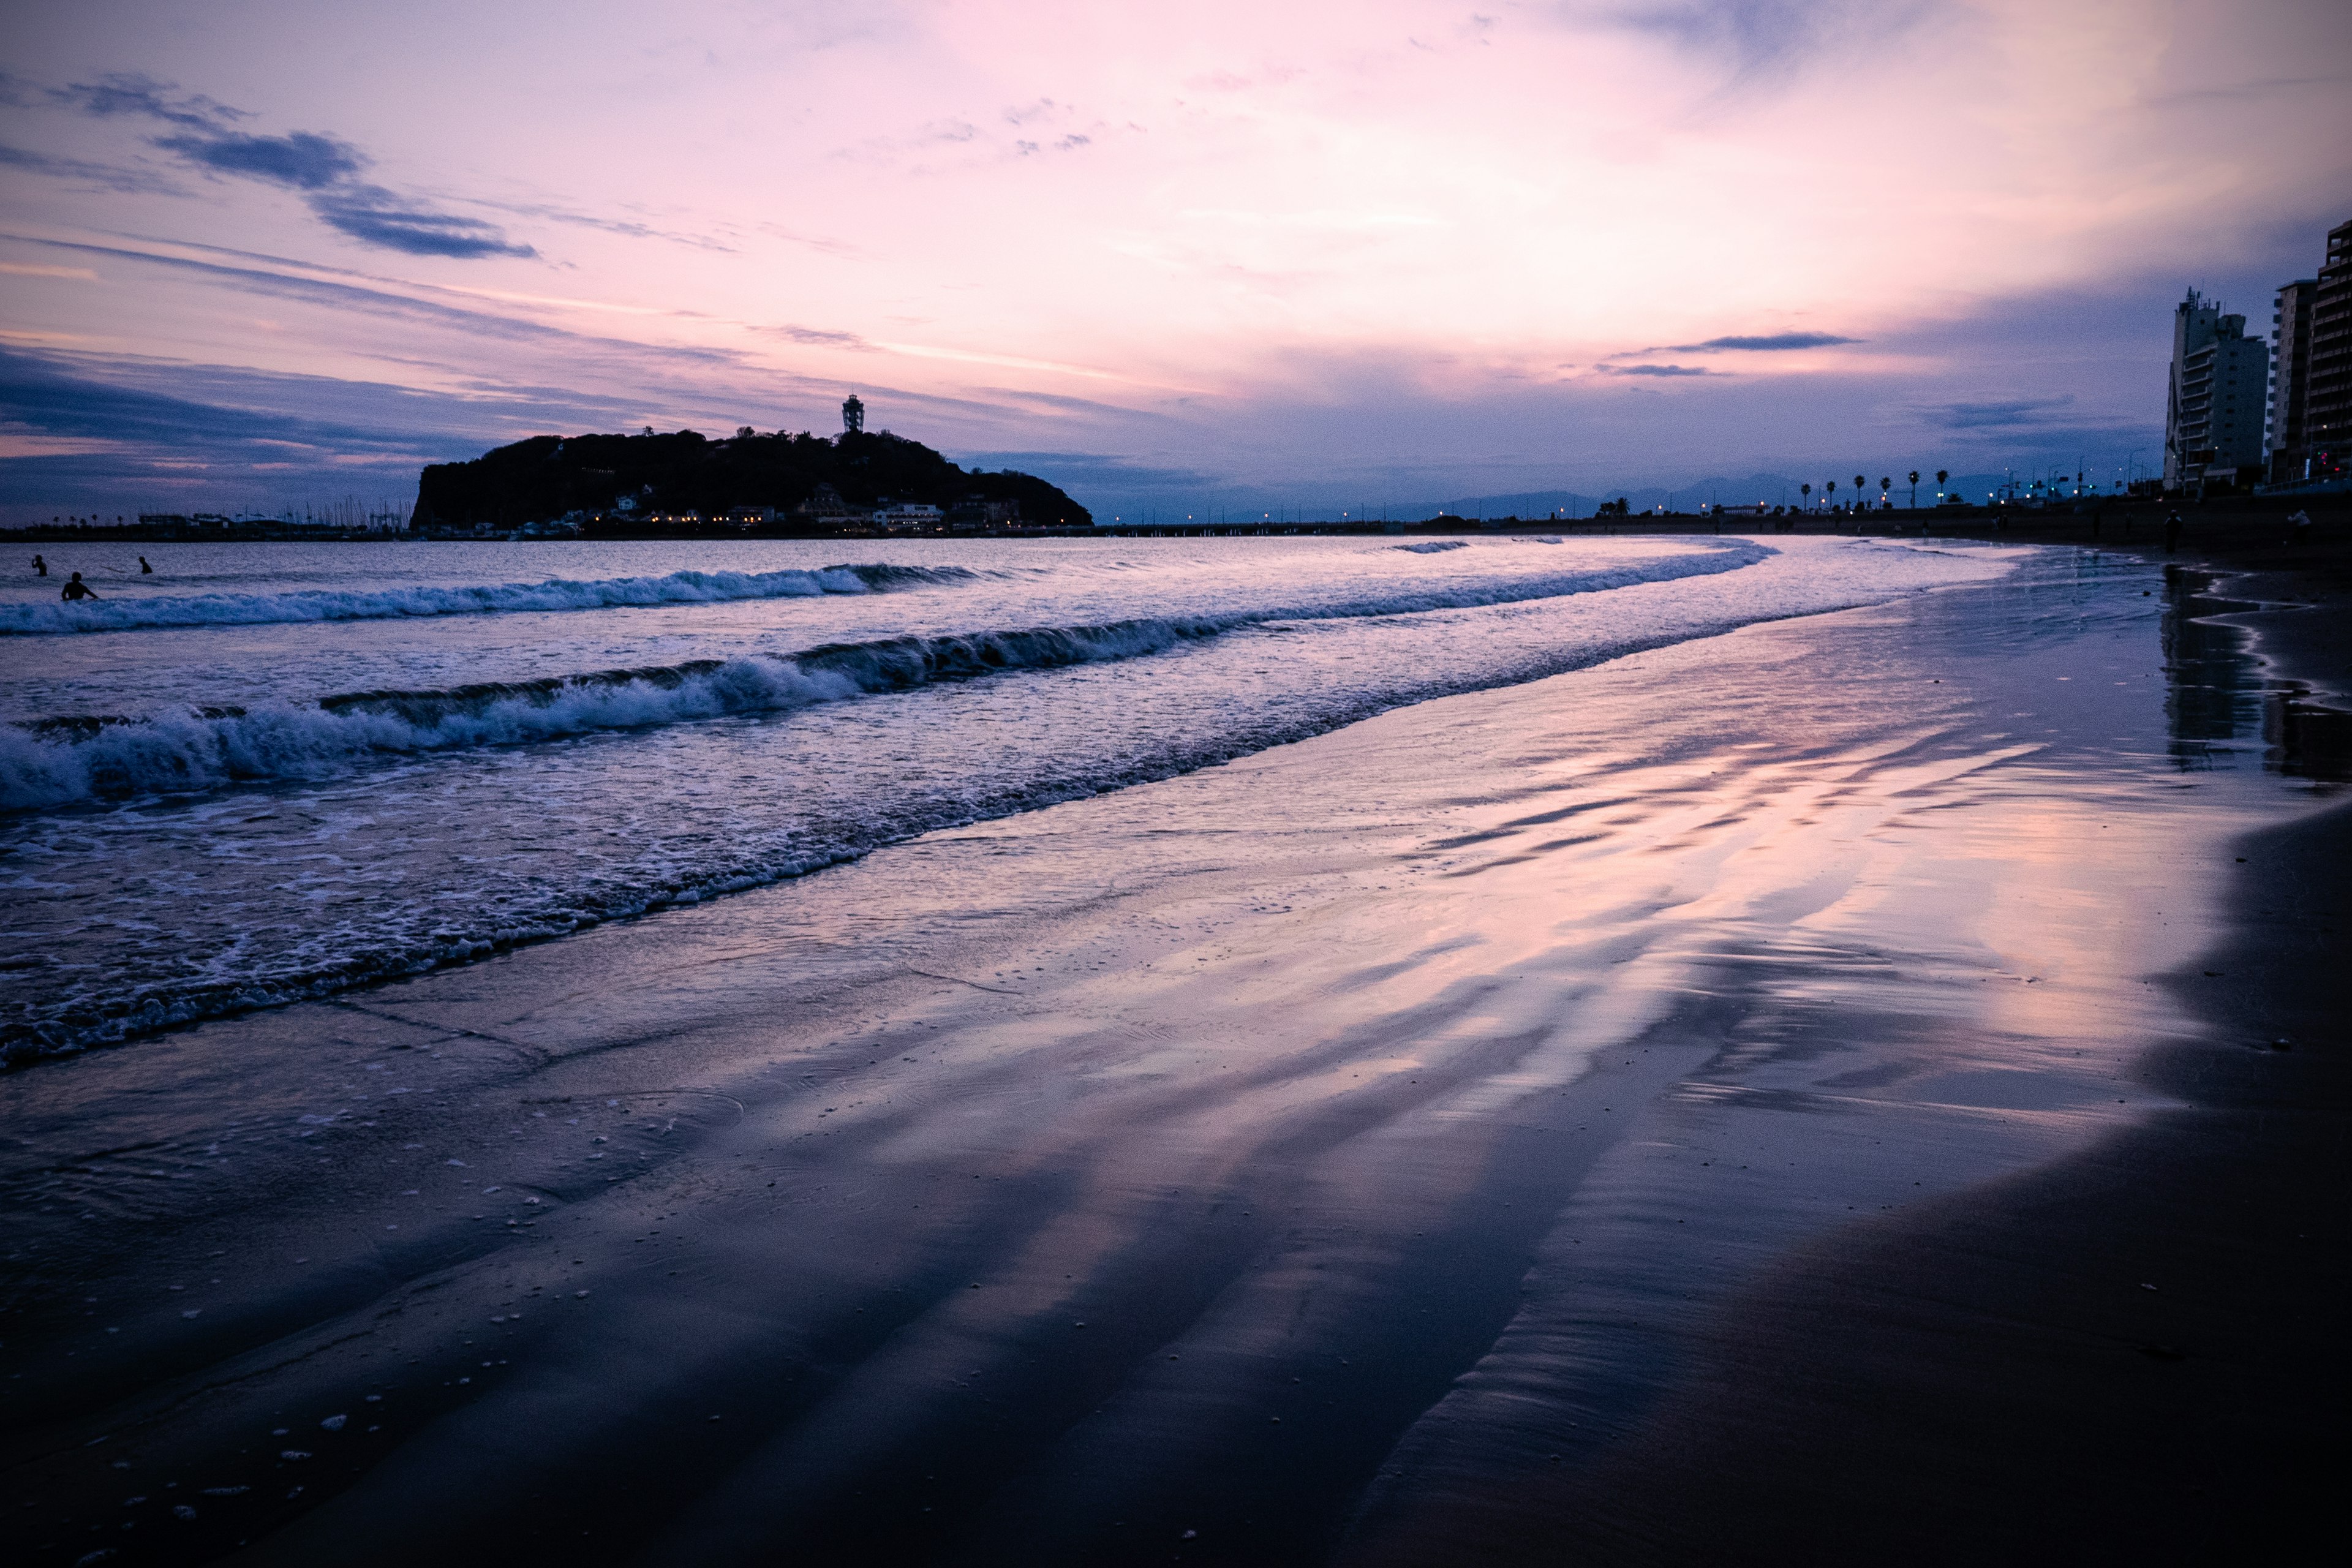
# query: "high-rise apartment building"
2213,410
2283,426
2327,386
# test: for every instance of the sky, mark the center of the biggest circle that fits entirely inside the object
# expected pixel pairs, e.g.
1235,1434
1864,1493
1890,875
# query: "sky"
1198,259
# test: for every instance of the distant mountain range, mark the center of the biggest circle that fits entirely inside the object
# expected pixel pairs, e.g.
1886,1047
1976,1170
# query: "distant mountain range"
547,476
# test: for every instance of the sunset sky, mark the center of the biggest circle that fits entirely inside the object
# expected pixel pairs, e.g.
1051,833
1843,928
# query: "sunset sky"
1215,255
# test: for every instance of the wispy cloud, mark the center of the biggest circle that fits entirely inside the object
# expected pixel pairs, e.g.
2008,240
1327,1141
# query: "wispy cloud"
18,269
1758,37
46,395
80,170
114,432
385,303
1657,369
1770,342
631,228
374,216
2019,413
303,161
815,337
326,170
129,93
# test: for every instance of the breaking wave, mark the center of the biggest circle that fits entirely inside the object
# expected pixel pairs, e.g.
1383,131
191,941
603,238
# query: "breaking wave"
504,598
58,762
64,760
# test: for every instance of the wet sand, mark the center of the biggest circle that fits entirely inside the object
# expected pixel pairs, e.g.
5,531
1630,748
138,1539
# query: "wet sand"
2133,1354
1722,1103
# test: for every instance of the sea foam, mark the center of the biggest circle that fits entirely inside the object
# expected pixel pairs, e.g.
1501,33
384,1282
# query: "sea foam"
556,594
60,762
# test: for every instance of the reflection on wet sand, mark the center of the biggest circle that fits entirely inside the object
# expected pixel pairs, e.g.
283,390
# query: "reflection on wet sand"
2221,698
1325,1153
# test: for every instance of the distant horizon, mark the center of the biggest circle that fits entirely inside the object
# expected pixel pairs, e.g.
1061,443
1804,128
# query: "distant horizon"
1530,507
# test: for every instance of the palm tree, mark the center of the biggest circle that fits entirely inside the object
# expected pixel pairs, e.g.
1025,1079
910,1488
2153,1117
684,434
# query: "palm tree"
1915,489
1806,491
1941,475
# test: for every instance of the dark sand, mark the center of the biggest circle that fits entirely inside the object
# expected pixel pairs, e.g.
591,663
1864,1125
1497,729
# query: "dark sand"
2137,1354
1485,1134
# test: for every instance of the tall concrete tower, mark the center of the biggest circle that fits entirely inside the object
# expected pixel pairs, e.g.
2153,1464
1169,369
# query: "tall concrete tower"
852,415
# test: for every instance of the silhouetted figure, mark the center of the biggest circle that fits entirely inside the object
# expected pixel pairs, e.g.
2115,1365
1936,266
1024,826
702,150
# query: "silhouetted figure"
2298,528
40,567
145,570
2172,531
77,589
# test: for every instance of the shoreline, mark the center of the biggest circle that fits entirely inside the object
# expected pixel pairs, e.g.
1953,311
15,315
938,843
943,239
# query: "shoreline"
2131,1353
1318,1104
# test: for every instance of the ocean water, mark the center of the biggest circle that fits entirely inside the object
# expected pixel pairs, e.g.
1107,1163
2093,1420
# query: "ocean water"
273,772
1357,1151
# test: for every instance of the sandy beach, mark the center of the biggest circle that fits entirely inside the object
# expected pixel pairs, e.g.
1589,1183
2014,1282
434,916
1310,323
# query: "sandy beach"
1865,1086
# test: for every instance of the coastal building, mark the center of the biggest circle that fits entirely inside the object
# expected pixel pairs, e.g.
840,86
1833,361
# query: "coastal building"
2283,433
826,510
2213,411
908,516
2328,395
979,512
852,415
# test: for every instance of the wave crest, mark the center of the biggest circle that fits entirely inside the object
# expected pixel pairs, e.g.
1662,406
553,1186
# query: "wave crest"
58,762
556,594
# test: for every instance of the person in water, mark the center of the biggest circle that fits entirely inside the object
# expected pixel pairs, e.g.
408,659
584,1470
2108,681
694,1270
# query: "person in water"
145,570
77,589
40,567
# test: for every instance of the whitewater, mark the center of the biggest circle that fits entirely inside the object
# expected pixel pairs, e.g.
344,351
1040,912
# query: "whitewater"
128,613
52,761
204,816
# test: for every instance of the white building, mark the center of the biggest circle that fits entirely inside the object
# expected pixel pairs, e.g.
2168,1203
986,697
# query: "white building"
908,516
2214,406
